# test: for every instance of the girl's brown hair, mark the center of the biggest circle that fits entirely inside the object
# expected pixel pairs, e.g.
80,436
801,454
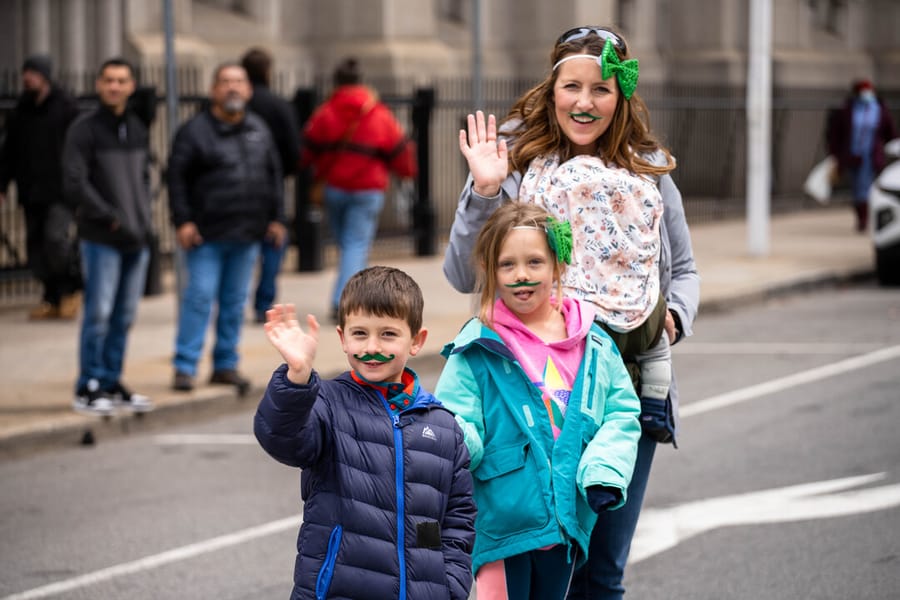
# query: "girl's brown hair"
625,143
487,248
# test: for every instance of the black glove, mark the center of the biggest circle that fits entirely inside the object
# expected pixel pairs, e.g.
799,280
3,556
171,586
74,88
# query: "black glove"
656,419
600,498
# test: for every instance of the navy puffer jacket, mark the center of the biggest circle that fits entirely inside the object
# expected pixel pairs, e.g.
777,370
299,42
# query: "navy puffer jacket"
388,509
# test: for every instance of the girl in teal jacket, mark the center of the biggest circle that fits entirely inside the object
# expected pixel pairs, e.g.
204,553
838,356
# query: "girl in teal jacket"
547,409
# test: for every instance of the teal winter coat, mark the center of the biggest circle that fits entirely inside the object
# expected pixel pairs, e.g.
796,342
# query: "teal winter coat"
530,489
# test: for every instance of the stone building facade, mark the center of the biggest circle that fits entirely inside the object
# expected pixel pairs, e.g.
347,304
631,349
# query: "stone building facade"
816,43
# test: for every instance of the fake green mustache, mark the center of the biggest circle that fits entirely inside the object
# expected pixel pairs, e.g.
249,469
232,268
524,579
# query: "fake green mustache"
376,357
584,114
523,284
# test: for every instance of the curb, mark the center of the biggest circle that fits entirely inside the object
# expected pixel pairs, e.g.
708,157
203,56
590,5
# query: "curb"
89,432
784,290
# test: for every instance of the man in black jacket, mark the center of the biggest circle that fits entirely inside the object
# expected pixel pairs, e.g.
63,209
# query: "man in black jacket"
106,160
32,157
225,197
279,116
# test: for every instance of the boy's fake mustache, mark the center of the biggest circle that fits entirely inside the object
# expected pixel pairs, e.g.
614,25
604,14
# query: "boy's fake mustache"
523,284
376,357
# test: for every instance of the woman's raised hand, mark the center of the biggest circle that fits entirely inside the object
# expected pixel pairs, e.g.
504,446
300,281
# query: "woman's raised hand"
486,156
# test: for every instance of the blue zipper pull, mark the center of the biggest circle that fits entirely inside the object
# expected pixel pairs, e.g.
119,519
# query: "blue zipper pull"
396,420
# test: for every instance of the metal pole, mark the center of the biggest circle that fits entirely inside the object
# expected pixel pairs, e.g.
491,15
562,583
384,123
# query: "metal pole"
171,127
171,86
308,217
423,210
759,116
477,97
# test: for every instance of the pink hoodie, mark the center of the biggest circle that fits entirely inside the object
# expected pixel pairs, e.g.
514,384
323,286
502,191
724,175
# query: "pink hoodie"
553,366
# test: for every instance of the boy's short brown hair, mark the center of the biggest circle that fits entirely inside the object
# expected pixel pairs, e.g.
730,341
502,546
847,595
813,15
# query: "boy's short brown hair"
384,292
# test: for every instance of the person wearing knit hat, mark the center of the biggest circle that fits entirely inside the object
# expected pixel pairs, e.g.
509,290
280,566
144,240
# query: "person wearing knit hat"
39,63
282,122
31,155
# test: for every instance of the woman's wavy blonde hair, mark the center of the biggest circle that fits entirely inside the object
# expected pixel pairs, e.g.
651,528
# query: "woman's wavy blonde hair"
626,143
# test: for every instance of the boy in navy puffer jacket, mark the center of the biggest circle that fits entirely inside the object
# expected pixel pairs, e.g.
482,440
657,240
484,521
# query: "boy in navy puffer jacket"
388,496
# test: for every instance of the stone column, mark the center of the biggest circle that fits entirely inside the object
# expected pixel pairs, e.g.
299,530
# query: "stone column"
109,29
265,12
73,59
38,19
643,35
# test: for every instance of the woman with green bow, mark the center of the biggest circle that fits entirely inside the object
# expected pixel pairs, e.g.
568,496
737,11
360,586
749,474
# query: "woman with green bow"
579,144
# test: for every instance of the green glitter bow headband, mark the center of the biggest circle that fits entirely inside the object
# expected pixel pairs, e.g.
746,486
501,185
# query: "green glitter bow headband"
626,71
559,237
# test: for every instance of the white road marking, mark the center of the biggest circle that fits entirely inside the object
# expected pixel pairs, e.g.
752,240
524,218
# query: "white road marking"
187,439
660,529
783,383
771,348
158,560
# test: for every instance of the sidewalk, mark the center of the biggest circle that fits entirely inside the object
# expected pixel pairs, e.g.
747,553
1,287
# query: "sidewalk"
39,359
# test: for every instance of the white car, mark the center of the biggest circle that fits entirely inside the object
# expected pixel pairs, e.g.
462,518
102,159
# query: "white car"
884,218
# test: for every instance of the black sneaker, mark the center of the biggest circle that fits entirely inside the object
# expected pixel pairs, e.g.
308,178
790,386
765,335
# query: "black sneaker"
89,400
231,377
125,398
182,382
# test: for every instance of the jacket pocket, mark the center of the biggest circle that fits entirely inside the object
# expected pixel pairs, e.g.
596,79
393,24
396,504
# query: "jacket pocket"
509,492
323,581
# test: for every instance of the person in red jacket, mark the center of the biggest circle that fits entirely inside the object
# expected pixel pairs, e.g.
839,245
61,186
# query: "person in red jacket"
354,143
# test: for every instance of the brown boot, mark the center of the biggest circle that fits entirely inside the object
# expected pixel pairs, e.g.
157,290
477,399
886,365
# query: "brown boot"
69,306
44,311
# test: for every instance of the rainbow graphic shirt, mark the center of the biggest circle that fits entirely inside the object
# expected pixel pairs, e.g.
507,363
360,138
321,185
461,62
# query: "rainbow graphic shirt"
555,391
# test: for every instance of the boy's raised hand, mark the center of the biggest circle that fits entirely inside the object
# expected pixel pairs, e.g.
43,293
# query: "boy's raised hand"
298,348
486,156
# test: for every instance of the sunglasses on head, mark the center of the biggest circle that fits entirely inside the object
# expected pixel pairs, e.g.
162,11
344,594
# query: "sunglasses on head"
604,34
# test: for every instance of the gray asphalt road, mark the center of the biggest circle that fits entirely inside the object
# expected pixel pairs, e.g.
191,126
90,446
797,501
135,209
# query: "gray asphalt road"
801,392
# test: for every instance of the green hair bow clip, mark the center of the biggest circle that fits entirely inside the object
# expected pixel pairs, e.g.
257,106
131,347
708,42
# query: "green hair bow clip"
626,71
559,237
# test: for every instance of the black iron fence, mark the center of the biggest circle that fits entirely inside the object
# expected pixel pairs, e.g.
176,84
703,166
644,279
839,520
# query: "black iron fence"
704,127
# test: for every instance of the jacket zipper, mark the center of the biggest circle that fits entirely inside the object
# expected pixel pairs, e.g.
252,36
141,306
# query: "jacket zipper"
401,503
323,581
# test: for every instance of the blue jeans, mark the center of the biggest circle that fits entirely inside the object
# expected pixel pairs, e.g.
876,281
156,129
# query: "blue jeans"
353,218
862,178
217,272
113,285
269,267
601,577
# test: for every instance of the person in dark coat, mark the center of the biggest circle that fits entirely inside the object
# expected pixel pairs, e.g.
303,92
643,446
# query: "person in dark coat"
388,509
856,135
31,156
225,197
279,117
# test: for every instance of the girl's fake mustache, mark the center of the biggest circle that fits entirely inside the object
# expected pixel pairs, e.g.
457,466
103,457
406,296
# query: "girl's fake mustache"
523,284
